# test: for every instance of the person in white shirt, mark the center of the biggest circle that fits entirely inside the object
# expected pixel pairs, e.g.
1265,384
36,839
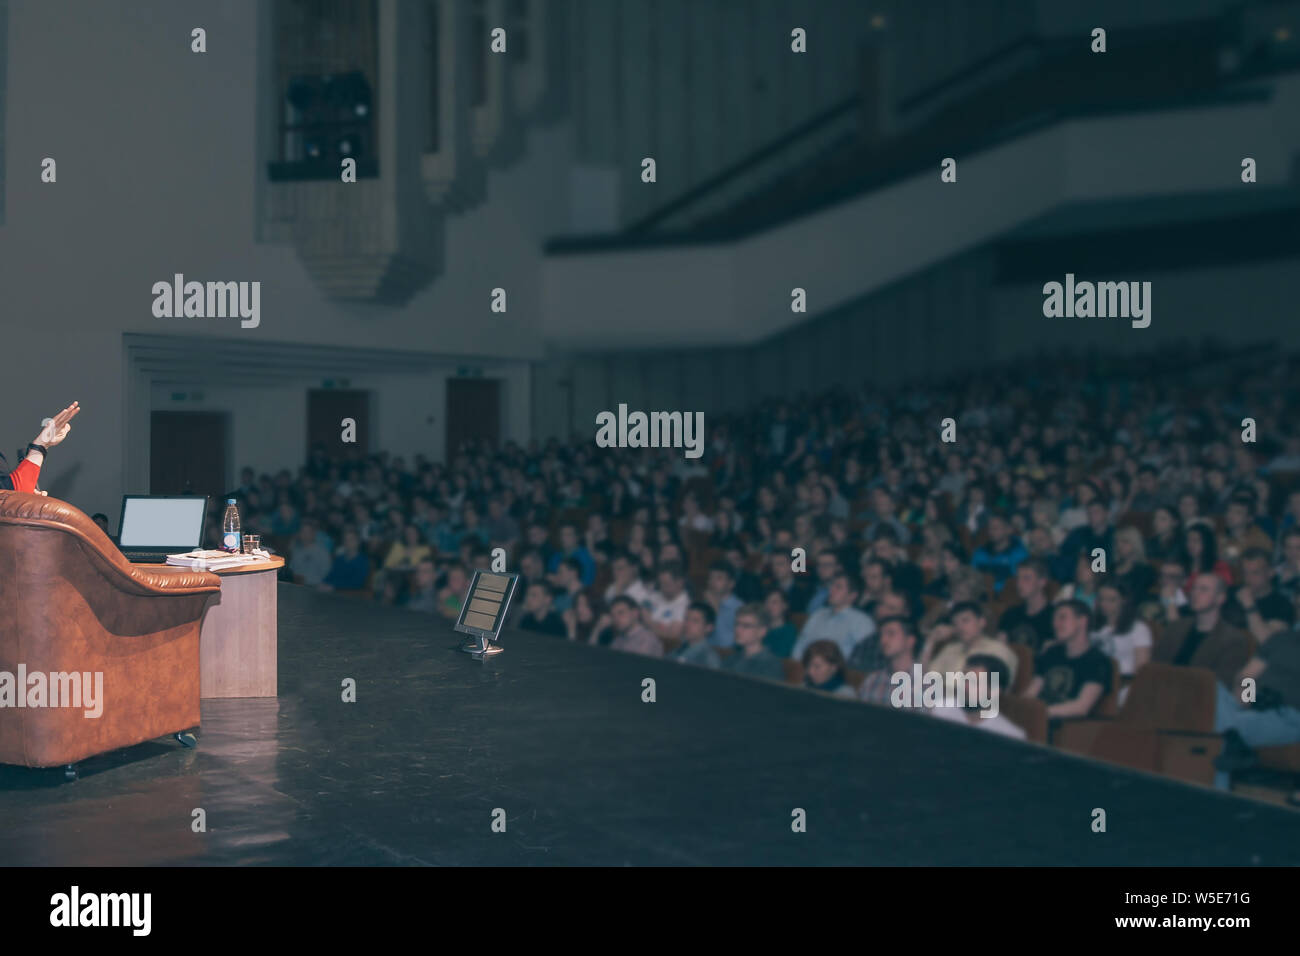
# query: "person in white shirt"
667,609
627,580
1118,631
971,714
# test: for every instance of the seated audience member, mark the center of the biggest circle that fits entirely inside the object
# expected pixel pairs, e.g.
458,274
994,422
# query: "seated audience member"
502,529
1147,496
868,656
532,568
796,588
966,585
823,666
1166,541
876,583
828,565
101,520
1003,553
580,620
1130,562
567,582
972,712
1256,606
748,586
1288,569
1096,532
309,560
1203,554
405,554
839,621
719,593
697,630
1071,676
950,644
1240,531
539,612
1030,621
667,610
452,595
883,515
285,522
950,560
1084,586
781,634
351,568
904,576
752,657
1169,603
571,546
479,558
623,628
627,580
1205,639
899,645
423,595
1118,631
1270,717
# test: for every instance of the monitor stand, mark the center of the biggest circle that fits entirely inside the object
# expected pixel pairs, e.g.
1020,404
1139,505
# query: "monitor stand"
481,648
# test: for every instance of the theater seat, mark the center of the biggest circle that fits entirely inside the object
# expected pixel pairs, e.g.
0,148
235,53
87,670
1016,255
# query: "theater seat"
1166,726
71,603
1286,758
1027,713
1108,706
1024,667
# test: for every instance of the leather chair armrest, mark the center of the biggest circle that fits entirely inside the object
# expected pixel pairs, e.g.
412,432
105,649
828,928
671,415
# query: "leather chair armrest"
53,516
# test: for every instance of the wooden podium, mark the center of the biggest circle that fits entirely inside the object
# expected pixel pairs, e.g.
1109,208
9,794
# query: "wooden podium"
238,640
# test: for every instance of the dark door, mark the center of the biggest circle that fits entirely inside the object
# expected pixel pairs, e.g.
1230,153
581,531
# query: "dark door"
473,412
187,453
326,409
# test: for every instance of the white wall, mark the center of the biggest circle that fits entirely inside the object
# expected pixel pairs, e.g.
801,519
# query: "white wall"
156,153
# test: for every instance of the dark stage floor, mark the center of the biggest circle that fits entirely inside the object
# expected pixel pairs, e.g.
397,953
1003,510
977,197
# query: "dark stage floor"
557,736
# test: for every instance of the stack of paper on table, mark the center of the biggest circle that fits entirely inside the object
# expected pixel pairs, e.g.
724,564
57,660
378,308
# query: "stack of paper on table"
210,560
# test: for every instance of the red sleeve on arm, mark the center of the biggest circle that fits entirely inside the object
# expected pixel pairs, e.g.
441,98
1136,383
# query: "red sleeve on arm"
25,475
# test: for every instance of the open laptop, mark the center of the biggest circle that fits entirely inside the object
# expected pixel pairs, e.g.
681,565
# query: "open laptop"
154,526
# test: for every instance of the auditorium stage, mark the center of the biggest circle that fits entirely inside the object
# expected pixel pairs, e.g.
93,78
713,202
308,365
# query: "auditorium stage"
557,736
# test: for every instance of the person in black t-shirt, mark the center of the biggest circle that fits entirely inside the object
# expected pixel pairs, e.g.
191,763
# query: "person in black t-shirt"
539,614
1029,622
1257,606
1071,676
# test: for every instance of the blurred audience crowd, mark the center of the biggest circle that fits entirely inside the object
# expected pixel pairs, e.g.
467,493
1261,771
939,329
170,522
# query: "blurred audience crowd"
1091,515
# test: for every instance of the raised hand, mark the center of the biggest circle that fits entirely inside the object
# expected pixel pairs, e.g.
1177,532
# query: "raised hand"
58,427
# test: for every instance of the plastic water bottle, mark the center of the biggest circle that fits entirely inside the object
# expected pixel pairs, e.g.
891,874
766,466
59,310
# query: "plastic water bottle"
230,534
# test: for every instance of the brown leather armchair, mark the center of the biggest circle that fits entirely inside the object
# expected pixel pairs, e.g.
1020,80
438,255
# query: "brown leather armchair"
71,603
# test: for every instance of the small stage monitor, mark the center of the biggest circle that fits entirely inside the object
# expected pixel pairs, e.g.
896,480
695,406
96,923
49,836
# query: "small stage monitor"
484,610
